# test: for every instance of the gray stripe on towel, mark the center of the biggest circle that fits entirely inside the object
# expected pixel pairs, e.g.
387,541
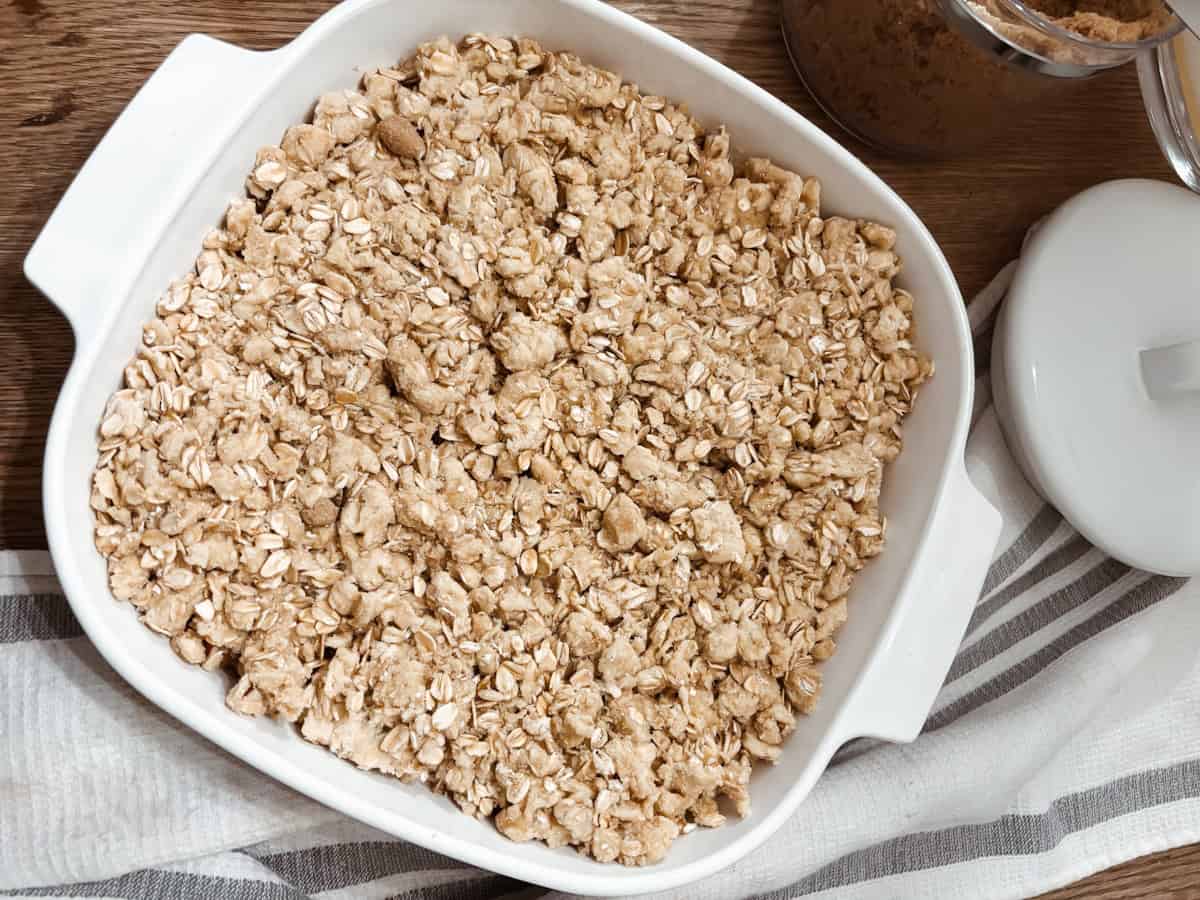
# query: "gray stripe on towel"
156,884
1036,533
1141,597
1151,591
1050,565
486,887
36,617
1007,836
332,866
1099,578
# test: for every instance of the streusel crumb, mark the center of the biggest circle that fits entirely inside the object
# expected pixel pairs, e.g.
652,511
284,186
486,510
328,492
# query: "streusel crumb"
510,437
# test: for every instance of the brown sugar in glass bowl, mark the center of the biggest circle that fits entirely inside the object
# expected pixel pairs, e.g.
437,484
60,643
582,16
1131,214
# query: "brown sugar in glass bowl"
943,77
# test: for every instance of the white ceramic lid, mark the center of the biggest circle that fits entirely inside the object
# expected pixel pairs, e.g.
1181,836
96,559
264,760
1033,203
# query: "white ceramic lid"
1096,370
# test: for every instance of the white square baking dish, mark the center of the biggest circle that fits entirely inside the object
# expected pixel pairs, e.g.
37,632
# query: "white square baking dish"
163,175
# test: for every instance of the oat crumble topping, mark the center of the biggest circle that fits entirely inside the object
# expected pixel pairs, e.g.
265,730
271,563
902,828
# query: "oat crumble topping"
511,438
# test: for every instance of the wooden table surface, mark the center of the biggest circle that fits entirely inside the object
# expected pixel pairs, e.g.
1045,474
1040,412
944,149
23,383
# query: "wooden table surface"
67,67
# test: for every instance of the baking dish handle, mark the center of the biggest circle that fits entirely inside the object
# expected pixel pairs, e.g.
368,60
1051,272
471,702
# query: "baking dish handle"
904,682
96,240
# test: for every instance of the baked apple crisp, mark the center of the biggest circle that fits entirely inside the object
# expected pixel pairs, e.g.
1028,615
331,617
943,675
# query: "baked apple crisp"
511,437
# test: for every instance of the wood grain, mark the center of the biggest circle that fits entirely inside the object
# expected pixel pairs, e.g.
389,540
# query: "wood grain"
1171,875
67,67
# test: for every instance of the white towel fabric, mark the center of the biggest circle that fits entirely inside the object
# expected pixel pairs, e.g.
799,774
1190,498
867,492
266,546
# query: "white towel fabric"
1066,740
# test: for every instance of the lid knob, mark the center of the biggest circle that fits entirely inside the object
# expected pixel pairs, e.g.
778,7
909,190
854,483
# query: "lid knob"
1171,371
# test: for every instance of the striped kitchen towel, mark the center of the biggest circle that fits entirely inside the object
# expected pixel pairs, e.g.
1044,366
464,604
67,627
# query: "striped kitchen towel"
1066,740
